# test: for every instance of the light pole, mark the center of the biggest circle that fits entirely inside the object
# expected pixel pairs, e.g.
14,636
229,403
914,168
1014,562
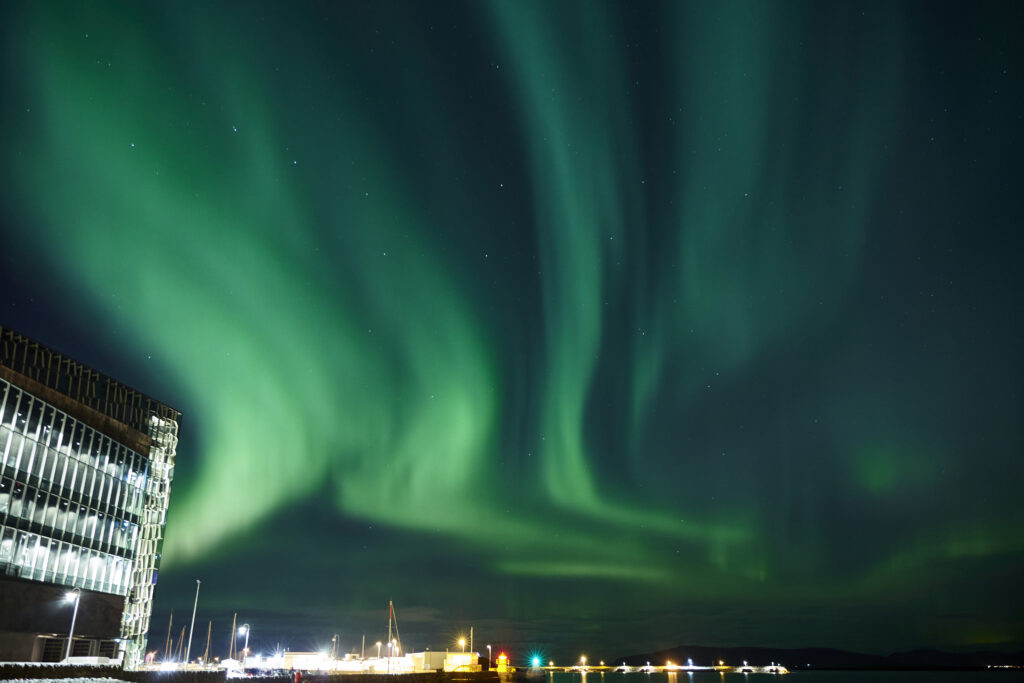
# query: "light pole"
488,657
245,651
76,597
462,644
188,650
378,649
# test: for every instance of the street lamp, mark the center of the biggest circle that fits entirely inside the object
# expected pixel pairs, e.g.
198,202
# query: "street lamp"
72,596
462,644
378,649
244,629
583,660
488,657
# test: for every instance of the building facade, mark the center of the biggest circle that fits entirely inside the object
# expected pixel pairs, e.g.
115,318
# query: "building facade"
86,465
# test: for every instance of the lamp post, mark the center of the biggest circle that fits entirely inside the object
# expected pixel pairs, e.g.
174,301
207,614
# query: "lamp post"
462,644
188,650
488,657
378,649
76,597
245,651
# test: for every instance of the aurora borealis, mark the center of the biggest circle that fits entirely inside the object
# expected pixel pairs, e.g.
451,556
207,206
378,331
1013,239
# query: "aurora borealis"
593,325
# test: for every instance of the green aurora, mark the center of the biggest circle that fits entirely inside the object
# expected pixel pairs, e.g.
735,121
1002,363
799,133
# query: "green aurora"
676,303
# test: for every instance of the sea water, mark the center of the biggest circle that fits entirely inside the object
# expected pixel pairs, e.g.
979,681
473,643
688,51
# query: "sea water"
985,676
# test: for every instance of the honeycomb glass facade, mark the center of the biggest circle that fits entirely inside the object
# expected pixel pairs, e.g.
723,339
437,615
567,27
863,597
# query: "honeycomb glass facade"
85,472
71,498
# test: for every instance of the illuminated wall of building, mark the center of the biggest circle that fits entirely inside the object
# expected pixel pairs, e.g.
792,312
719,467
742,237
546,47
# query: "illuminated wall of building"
71,499
85,472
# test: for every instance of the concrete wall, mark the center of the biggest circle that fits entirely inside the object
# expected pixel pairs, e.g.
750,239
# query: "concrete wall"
30,608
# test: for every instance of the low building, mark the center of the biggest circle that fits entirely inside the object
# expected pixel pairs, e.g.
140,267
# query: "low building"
445,661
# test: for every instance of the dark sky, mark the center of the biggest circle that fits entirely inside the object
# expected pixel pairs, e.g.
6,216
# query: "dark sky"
598,327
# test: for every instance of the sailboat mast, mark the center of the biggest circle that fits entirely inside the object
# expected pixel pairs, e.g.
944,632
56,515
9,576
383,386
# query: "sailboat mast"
181,643
167,647
206,653
231,647
391,611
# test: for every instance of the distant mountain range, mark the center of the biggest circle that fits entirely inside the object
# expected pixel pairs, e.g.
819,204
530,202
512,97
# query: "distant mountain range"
824,658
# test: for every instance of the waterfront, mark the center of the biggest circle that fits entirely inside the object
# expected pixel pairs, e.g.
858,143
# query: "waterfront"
982,676
18,672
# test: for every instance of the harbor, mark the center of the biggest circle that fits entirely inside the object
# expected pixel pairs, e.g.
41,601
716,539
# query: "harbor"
78,673
669,669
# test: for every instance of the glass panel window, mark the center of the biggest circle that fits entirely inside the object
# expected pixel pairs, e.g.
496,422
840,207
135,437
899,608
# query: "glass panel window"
17,500
52,512
34,415
7,546
63,517
6,485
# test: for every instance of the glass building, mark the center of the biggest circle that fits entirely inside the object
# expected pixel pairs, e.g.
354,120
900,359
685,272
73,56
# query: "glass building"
85,470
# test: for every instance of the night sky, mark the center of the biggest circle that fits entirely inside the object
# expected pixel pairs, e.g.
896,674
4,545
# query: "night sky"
598,327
